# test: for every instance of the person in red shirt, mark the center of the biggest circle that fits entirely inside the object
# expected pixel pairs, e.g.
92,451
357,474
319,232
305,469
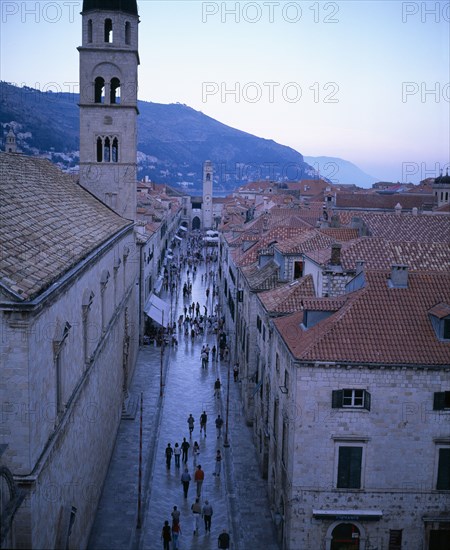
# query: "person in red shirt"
198,478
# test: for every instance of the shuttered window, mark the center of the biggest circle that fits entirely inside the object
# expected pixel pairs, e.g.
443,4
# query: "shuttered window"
441,400
443,478
349,467
351,398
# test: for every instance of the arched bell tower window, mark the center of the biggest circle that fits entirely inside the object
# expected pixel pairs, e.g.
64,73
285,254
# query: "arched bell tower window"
115,91
99,90
107,149
99,149
208,177
128,33
89,31
108,31
115,150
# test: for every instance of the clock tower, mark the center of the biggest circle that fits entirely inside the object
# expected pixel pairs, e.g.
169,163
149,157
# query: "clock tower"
109,62
207,195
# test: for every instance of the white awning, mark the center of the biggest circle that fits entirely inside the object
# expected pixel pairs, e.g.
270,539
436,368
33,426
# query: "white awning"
157,309
177,237
182,228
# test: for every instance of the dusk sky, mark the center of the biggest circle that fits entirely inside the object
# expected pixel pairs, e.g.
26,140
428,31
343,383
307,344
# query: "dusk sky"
364,81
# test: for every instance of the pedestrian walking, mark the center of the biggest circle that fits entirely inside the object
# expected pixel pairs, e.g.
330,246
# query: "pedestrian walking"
176,454
217,386
190,422
204,358
184,448
185,480
175,515
199,476
207,513
203,421
196,511
219,424
166,535
218,463
176,532
169,453
224,540
236,372
213,353
195,452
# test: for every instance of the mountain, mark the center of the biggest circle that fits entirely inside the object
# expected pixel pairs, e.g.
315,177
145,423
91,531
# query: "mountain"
340,171
173,141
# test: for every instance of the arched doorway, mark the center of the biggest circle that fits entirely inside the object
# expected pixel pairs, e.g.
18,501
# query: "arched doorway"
196,223
345,536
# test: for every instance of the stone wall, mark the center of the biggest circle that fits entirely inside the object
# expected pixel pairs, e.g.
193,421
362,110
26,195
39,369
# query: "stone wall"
61,459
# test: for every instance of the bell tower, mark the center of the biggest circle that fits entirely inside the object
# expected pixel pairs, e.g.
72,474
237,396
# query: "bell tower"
109,61
207,194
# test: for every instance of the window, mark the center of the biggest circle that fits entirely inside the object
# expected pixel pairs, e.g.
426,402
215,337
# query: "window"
115,91
99,90
441,400
395,539
258,323
127,33
89,29
108,31
107,149
284,450
443,475
277,362
298,270
350,399
349,467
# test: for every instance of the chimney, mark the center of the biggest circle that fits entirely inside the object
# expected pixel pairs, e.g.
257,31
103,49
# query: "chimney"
399,276
336,254
415,211
359,266
398,208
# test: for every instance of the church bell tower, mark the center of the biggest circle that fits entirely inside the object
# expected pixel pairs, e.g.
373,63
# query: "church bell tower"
207,194
109,61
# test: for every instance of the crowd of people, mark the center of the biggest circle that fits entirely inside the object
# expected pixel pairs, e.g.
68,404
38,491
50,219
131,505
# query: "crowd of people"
194,322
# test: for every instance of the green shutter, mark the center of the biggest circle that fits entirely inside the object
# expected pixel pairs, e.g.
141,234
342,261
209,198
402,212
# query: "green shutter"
349,468
443,479
367,400
439,401
337,397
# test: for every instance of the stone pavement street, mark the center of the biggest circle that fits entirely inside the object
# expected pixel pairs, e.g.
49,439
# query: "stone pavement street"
238,496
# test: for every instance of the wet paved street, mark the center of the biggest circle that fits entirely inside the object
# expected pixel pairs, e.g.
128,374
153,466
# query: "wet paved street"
238,495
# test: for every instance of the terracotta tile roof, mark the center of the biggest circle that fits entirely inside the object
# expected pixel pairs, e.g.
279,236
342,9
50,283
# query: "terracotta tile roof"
440,310
384,201
381,254
264,278
406,227
275,235
289,297
305,241
48,224
377,325
340,234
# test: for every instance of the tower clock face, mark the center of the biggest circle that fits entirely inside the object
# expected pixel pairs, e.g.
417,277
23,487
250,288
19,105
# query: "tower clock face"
207,198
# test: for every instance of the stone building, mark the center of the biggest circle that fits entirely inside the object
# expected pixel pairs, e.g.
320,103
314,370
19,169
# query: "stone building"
345,368
70,274
68,320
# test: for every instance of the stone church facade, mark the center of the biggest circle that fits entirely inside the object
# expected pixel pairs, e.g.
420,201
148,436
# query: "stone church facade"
69,300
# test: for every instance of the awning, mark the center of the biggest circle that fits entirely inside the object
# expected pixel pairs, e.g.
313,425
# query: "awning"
158,310
177,237
348,515
182,228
